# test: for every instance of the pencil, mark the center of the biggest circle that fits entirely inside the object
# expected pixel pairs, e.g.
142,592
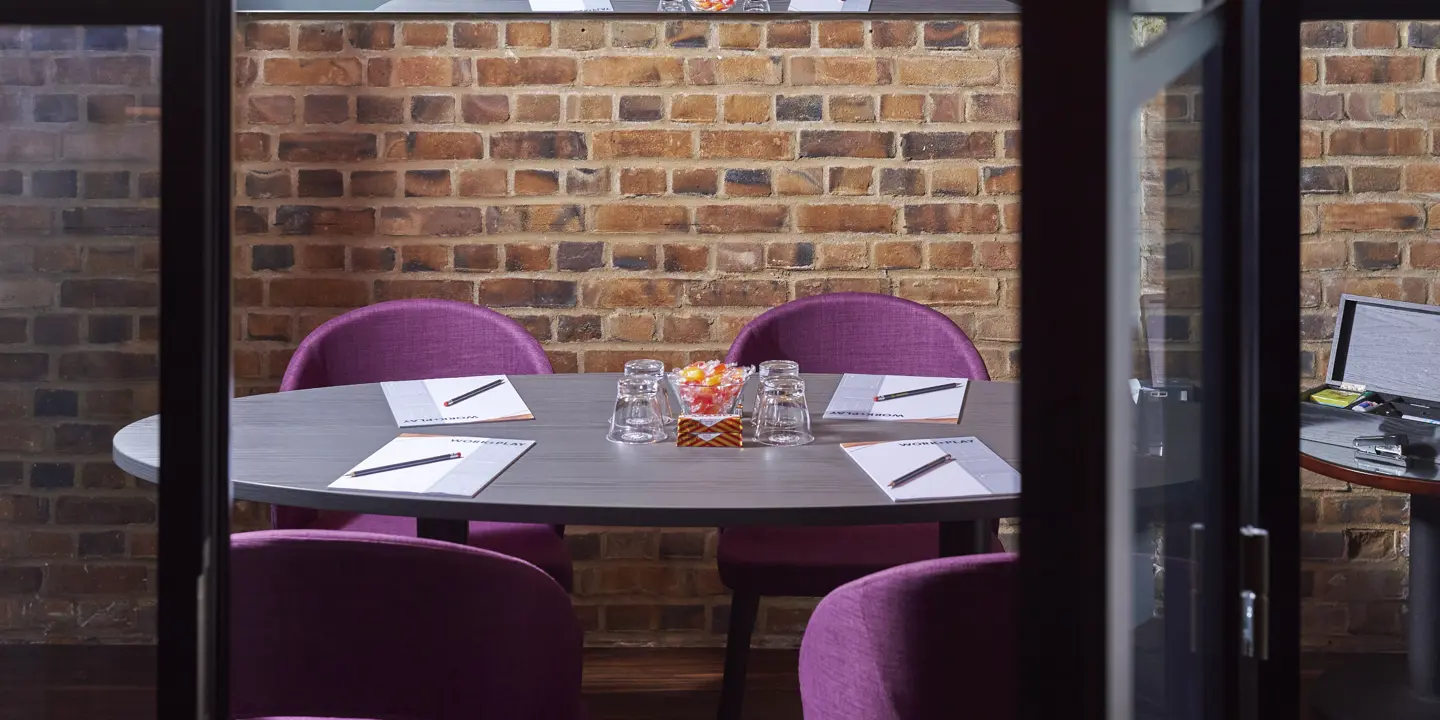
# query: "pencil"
920,391
403,465
473,393
917,472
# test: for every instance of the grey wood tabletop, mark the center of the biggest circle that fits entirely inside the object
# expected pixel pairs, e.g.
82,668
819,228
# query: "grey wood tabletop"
287,447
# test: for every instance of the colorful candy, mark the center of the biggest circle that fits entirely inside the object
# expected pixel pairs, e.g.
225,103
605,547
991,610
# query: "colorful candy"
710,387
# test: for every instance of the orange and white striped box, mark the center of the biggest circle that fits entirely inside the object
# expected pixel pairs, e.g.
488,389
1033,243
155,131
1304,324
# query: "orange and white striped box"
708,431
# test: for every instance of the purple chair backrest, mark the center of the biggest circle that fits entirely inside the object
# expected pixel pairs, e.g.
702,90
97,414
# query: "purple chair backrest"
408,340
413,340
374,626
859,333
934,639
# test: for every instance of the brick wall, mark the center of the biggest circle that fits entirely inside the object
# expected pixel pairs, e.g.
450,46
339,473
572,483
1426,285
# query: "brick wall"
78,296
1369,184
626,189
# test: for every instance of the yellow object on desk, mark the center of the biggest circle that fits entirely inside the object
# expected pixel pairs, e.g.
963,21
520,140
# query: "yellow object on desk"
1336,398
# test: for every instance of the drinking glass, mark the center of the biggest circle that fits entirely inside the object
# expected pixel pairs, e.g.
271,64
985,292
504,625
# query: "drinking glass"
781,415
637,413
779,368
755,6
654,370
672,6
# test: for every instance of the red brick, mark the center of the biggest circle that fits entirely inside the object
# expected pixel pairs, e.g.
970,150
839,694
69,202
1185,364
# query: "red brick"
947,71
847,143
1360,217
745,144
642,181
841,34
527,34
633,71
312,71
726,219
485,109
526,257
432,109
327,147
737,293
267,36
999,34
642,143
313,220
534,218
947,35
747,108
951,218
477,258
788,34
897,255
457,290
739,36
321,37
518,292
1372,69
483,183
547,145
369,259
76,510
427,183
694,108
851,180
477,35
579,328
845,218
318,292
496,72
1378,141
373,183
537,182
425,34
581,35
271,109
631,218
537,108
435,146
950,291
433,221
834,70
945,145
630,292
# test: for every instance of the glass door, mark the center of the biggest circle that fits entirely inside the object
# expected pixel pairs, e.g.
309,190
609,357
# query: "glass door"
1146,425
113,299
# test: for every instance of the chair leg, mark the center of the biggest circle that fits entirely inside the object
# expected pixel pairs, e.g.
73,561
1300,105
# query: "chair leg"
743,609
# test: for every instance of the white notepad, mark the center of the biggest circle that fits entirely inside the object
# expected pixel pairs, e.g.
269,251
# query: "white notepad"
481,460
976,471
854,399
422,402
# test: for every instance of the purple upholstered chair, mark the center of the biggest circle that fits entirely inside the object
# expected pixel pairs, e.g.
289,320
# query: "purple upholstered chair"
835,333
414,340
931,640
356,625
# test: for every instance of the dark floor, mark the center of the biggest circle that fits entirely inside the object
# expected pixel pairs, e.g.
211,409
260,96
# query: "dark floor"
40,682
57,682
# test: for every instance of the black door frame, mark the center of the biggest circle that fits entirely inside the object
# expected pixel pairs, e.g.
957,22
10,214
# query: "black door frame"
195,66
1076,113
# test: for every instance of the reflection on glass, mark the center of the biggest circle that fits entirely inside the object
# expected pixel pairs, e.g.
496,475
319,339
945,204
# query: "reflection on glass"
79,303
1166,355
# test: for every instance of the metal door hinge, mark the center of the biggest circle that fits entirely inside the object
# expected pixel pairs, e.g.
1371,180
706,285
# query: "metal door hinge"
1255,593
1254,590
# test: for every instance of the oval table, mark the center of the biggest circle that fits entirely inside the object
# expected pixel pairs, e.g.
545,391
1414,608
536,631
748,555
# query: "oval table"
1386,687
286,448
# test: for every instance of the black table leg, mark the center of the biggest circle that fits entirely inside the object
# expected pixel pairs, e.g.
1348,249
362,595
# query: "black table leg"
966,537
1387,686
454,531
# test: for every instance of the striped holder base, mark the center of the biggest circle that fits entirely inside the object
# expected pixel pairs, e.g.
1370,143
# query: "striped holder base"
708,431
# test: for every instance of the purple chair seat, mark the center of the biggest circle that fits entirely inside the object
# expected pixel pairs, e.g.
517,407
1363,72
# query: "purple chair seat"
354,625
932,640
538,545
416,340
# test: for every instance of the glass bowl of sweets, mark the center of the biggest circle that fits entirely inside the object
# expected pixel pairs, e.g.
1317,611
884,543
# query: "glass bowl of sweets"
709,388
